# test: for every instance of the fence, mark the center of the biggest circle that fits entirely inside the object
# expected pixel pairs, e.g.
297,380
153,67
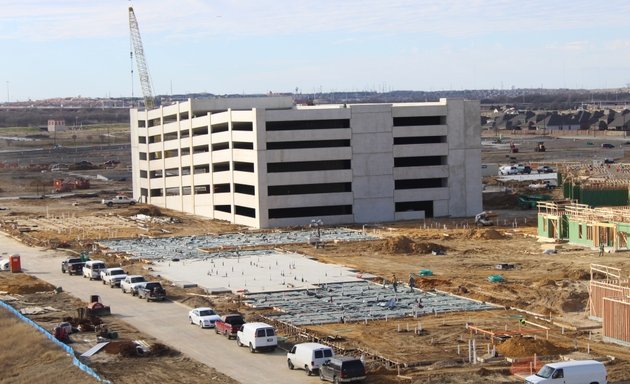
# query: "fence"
52,338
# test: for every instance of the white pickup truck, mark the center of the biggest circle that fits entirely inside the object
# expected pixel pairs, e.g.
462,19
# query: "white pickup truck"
113,276
120,199
131,283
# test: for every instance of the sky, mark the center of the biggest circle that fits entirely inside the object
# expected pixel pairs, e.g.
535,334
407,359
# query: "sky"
72,48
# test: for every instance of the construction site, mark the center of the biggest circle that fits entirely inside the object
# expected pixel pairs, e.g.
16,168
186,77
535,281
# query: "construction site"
436,300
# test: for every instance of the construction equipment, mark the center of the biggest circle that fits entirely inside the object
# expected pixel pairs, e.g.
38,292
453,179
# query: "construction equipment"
531,201
143,70
540,147
483,219
94,308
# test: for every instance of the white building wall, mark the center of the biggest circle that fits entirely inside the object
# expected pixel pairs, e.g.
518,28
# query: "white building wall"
372,163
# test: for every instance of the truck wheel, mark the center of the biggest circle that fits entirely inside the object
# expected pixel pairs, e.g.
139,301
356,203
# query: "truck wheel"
238,342
147,299
321,375
335,380
132,203
308,371
290,364
103,281
110,204
251,348
216,330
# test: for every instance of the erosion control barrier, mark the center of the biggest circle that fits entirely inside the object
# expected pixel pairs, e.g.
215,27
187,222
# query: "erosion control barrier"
66,348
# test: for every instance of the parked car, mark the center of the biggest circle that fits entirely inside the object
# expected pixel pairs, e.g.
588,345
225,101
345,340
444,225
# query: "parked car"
524,169
113,276
257,336
92,269
152,291
309,356
73,265
607,145
131,283
609,161
5,265
576,371
545,169
205,317
342,369
229,325
508,170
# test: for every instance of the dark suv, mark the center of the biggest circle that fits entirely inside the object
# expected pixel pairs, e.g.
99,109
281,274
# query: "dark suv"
342,369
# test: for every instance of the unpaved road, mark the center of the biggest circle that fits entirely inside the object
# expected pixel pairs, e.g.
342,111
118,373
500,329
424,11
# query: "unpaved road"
168,322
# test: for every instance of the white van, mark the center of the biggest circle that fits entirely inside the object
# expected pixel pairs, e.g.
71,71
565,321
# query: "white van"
309,356
574,372
257,336
92,269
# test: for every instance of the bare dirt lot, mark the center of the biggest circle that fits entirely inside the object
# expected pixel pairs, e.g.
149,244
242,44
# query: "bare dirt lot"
544,290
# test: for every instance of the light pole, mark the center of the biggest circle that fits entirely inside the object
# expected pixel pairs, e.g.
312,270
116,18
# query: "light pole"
317,223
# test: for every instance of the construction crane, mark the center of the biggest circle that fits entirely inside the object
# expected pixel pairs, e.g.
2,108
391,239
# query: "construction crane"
143,70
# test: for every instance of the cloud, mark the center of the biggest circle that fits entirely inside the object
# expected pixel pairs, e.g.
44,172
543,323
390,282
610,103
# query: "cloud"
52,20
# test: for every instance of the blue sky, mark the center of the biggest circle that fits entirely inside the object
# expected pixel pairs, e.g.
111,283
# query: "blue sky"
81,48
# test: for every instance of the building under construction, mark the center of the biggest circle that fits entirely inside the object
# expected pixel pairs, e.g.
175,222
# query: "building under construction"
609,302
583,225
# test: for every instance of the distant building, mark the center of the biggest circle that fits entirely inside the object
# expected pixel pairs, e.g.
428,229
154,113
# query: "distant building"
56,125
265,162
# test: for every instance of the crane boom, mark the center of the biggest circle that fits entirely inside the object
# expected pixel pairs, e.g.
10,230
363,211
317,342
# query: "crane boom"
143,70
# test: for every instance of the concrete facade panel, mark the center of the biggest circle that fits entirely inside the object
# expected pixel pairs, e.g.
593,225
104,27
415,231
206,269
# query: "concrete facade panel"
412,215
373,210
379,142
371,120
372,164
308,154
425,130
421,150
314,200
433,171
341,176
420,194
372,187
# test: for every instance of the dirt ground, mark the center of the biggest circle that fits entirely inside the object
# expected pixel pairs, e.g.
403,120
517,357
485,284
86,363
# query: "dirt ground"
119,363
548,290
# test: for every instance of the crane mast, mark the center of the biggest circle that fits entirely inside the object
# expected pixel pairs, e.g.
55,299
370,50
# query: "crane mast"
143,70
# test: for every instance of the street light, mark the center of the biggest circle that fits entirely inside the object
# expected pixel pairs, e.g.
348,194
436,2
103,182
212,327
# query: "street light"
317,223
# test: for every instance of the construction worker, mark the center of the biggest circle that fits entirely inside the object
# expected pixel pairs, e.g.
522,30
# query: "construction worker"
395,283
601,249
412,282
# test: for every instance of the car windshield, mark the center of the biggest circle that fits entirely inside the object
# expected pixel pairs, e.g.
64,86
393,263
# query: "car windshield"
207,312
545,372
117,272
137,279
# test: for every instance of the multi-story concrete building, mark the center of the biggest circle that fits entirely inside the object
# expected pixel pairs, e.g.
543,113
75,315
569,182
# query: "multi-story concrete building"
265,162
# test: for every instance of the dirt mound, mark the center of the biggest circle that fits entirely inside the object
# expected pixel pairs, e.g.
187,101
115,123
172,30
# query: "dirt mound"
546,283
578,274
428,248
197,301
22,283
403,244
520,346
430,283
399,244
484,234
